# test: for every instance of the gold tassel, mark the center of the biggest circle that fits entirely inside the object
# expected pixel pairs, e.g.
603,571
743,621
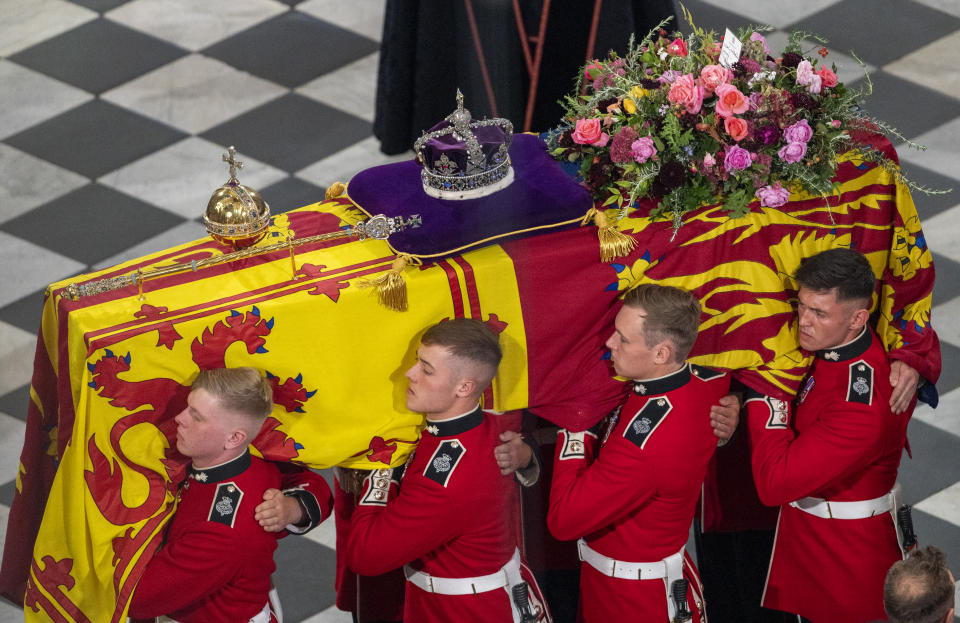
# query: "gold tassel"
613,242
335,190
391,287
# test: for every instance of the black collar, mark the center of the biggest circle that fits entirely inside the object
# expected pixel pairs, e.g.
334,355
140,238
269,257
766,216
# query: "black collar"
457,425
663,384
854,348
233,467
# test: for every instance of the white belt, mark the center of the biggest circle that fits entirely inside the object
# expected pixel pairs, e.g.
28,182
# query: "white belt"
847,510
507,576
261,617
668,570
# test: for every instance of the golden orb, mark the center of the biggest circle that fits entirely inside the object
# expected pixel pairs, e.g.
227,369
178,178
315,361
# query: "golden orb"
236,214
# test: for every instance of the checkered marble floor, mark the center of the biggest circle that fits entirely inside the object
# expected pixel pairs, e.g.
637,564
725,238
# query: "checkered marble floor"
114,113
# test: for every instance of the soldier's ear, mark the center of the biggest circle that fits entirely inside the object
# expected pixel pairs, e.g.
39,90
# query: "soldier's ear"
236,439
859,319
466,387
663,353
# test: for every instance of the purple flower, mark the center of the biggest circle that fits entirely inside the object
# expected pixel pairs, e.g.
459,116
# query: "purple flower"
799,132
669,76
643,149
737,158
767,134
792,152
755,36
621,145
791,59
773,196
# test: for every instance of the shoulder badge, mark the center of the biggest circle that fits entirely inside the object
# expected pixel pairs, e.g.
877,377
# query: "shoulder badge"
573,445
226,501
860,385
646,420
378,488
705,374
444,460
779,413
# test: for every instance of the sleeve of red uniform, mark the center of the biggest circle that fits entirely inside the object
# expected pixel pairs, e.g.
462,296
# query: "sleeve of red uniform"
587,495
183,572
312,492
422,517
787,467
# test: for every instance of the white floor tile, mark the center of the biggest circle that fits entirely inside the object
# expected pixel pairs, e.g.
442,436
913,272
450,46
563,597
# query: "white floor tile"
942,232
946,319
181,177
28,22
352,88
364,17
28,268
28,97
944,504
12,431
330,615
343,165
17,348
191,230
932,66
28,182
947,6
946,416
941,152
194,93
325,534
777,14
194,25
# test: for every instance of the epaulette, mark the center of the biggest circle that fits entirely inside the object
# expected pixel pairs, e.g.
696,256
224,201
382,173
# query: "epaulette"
444,460
860,383
704,373
639,429
226,501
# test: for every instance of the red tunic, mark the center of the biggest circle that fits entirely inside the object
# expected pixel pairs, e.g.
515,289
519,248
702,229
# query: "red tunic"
216,563
636,500
451,519
844,445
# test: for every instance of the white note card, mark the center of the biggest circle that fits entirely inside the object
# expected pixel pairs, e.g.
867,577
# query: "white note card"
730,52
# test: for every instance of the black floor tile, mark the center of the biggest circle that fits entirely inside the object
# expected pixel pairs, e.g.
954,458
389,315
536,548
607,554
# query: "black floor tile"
16,402
929,206
100,5
291,193
25,313
950,376
304,577
291,132
95,138
939,533
7,491
98,55
292,49
92,223
922,110
890,29
706,16
947,285
921,476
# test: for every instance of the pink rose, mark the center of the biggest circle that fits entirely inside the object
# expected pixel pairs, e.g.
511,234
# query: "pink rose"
792,152
828,77
709,160
677,47
643,149
737,158
687,92
799,132
804,72
589,132
712,76
815,82
730,101
773,196
736,128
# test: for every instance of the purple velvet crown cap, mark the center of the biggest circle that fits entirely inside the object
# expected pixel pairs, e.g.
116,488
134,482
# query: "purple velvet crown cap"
490,138
542,196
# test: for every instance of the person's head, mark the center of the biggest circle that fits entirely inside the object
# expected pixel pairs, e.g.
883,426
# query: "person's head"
654,331
835,289
456,361
920,589
225,411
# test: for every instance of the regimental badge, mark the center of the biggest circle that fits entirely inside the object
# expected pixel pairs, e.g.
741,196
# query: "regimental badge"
638,430
639,388
226,501
444,460
806,389
705,374
433,430
779,413
832,356
574,445
860,384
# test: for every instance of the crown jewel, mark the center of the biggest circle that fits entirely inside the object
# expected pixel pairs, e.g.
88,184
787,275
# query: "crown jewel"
463,158
236,214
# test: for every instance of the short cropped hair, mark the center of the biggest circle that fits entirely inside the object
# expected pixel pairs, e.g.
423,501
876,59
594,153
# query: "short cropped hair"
672,315
469,339
240,390
918,589
845,270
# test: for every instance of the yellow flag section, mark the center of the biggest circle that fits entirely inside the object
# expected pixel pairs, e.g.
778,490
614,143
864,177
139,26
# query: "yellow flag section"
335,357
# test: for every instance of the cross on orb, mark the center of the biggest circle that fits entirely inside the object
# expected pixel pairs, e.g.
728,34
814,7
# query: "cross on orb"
235,165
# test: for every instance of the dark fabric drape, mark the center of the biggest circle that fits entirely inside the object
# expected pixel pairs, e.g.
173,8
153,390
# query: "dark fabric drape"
428,51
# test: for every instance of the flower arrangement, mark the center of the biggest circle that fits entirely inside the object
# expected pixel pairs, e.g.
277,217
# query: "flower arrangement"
669,121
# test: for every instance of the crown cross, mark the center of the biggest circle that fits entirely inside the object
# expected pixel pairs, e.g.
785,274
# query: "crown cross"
235,165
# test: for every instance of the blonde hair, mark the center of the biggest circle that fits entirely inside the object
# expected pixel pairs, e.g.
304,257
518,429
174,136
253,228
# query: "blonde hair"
672,315
240,390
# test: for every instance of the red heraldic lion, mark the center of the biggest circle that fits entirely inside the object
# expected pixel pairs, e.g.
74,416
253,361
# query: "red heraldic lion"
633,499
833,472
